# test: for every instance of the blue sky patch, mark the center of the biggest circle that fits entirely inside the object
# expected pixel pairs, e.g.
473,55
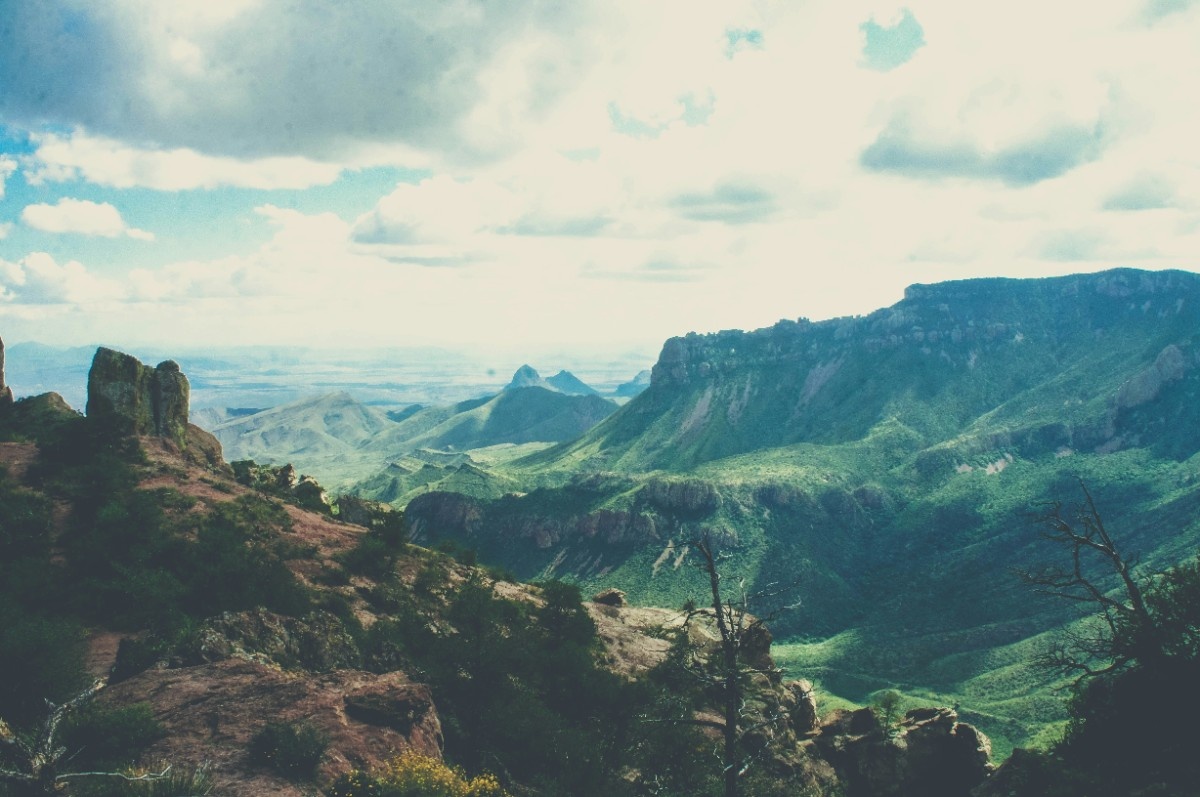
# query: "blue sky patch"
885,48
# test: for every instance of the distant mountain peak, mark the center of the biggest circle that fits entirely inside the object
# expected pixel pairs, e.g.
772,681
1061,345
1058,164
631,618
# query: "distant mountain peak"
567,382
526,376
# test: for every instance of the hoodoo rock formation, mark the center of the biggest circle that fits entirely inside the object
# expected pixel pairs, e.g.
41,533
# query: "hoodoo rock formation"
6,394
136,399
139,399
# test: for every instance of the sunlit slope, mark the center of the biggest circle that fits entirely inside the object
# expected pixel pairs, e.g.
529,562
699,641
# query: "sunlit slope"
1043,361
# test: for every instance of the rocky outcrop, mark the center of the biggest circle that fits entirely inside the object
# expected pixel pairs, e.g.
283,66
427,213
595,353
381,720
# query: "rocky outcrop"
319,642
1145,386
6,394
689,497
210,712
138,399
929,753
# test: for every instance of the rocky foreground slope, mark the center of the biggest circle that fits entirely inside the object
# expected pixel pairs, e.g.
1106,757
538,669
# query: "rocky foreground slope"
295,617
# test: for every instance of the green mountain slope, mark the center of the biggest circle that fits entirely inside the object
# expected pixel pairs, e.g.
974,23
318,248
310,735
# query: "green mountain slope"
1041,358
884,468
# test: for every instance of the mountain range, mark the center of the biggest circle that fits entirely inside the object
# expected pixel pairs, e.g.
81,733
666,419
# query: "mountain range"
885,468
344,441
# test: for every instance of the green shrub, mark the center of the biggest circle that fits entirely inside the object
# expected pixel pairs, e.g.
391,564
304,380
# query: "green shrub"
42,659
110,737
294,750
372,557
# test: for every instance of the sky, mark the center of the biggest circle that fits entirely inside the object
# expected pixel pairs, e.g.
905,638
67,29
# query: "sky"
592,174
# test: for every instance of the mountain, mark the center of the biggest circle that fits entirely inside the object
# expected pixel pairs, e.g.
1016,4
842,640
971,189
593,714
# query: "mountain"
516,415
526,376
345,442
320,426
884,468
634,386
567,382
193,619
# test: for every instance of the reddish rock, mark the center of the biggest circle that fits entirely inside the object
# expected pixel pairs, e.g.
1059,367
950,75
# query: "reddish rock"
211,712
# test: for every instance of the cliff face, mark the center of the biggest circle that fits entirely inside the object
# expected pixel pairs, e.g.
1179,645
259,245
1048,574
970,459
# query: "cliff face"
139,399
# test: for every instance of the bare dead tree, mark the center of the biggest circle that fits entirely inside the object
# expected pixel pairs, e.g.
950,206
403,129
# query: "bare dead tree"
37,761
1122,629
738,629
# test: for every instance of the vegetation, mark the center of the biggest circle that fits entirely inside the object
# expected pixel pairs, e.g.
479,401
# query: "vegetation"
294,750
414,775
1136,666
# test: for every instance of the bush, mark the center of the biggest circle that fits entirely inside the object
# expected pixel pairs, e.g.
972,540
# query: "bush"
109,737
414,775
373,557
41,658
294,750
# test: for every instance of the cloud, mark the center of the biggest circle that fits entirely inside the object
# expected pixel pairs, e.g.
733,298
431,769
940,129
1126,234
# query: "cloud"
83,217
38,279
735,202
8,167
664,268
1147,192
103,161
1049,154
287,78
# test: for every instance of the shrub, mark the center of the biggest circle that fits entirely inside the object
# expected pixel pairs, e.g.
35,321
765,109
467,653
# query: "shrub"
41,658
294,750
108,737
372,557
414,775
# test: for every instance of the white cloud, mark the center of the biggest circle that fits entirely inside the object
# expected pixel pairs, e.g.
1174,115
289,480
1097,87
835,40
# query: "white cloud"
8,166
81,216
38,279
104,161
644,162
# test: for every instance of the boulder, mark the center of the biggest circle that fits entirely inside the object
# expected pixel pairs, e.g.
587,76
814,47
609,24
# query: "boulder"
610,597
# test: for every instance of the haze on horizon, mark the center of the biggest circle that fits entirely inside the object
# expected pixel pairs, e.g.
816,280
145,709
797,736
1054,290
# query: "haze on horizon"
598,175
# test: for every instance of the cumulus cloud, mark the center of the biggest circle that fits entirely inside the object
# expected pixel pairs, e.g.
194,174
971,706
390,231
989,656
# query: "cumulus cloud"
62,157
83,217
38,279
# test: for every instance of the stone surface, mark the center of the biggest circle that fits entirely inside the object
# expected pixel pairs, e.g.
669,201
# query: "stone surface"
610,597
138,399
6,394
211,712
319,642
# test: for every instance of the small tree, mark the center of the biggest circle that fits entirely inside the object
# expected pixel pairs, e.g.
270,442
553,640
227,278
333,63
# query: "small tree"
1123,630
886,706
738,632
1136,664
37,762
